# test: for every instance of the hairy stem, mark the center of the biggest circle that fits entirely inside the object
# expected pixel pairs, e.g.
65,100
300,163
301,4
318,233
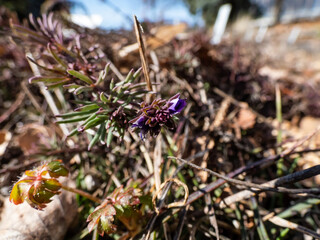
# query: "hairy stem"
81,193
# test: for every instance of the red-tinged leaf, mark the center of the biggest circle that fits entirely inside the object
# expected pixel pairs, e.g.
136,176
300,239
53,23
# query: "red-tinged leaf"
100,230
109,210
106,224
94,215
93,219
135,201
102,217
19,192
30,173
57,169
92,225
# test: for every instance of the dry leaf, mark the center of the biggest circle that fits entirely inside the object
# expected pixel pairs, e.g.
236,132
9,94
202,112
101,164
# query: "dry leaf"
161,36
246,119
32,136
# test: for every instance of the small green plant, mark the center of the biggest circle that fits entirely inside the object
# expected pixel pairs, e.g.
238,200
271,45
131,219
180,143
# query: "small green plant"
38,186
107,106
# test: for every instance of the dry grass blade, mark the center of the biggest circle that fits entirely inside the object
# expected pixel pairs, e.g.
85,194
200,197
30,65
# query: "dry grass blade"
175,204
211,214
142,51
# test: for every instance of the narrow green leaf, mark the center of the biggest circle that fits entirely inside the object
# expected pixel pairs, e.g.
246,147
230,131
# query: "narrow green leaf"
137,73
73,132
92,106
111,84
110,136
72,120
103,98
97,136
299,207
129,77
92,123
56,57
71,86
58,84
45,79
73,114
103,74
82,89
55,70
80,76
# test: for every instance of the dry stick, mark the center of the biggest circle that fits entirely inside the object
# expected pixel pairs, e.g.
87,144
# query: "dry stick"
17,167
157,160
157,156
211,214
39,109
181,223
310,172
259,164
13,107
291,178
287,224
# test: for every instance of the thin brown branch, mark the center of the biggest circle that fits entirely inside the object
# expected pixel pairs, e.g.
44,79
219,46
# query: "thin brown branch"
291,178
254,187
17,167
13,107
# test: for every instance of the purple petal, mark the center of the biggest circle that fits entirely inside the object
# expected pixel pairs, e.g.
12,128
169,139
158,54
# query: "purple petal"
177,105
140,122
143,132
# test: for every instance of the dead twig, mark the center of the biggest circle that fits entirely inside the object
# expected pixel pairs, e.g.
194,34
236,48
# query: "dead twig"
211,214
291,178
287,224
13,107
254,187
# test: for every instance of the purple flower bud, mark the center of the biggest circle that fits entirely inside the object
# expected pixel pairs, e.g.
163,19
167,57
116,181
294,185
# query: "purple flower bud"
140,122
176,105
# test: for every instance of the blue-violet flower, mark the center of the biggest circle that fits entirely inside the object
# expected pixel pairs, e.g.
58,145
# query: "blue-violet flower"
158,114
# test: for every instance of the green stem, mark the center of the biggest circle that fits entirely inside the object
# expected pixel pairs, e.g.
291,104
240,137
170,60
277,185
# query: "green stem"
280,165
81,193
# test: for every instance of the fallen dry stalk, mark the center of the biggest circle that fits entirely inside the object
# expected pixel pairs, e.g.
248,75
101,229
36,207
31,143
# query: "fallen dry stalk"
254,187
291,178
